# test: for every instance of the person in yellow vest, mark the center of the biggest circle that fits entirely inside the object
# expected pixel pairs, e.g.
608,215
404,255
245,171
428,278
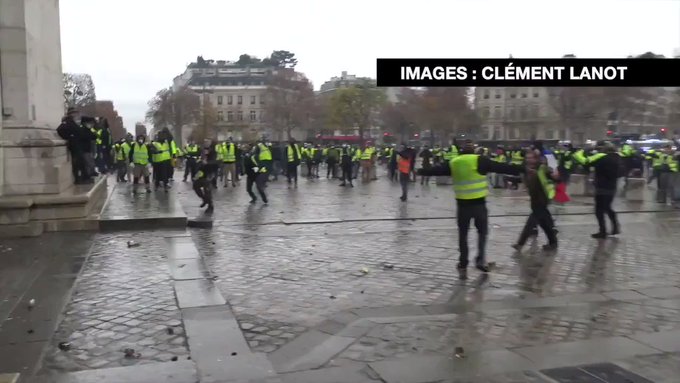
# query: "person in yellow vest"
122,151
192,153
164,152
263,155
540,183
293,159
140,156
256,174
367,160
470,185
228,149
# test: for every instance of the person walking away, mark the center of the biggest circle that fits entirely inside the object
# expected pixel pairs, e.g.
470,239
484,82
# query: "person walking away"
318,159
426,156
367,159
539,180
607,164
140,156
69,130
331,162
202,180
255,175
404,160
346,165
192,154
229,162
293,158
471,188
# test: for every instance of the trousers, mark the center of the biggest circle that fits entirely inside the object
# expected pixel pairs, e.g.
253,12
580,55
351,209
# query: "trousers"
603,205
540,216
258,180
480,215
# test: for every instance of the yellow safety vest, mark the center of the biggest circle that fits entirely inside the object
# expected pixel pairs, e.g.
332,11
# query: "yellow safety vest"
367,153
228,152
467,182
517,158
291,153
140,155
265,153
192,150
547,184
163,151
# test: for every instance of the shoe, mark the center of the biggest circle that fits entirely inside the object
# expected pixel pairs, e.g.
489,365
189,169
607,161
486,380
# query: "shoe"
483,268
342,184
253,201
517,246
203,204
148,190
599,235
233,185
616,231
462,273
210,209
351,185
266,203
550,247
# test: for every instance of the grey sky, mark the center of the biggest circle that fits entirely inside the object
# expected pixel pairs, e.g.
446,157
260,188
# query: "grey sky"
132,48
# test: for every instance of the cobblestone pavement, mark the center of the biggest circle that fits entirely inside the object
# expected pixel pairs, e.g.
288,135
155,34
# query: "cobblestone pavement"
283,279
322,199
475,331
123,299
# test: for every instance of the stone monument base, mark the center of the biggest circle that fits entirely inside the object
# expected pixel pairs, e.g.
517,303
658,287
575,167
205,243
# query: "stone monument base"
77,208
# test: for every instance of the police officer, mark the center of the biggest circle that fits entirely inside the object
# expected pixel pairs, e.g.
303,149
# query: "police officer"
470,185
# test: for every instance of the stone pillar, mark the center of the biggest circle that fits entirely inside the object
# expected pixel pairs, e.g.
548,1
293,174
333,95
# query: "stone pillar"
33,159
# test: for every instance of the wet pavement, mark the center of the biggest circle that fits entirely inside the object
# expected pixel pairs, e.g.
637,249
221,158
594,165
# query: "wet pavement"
330,284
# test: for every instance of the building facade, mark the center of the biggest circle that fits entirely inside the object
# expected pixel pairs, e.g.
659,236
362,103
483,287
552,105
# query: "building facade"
236,93
517,114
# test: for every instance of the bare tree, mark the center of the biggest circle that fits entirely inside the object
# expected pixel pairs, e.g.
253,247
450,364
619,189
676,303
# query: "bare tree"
290,102
79,90
174,108
204,126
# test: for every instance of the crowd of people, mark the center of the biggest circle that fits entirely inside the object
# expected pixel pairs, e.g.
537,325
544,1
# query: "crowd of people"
474,170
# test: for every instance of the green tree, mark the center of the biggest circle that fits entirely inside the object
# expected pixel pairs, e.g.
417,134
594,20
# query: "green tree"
356,107
248,60
283,59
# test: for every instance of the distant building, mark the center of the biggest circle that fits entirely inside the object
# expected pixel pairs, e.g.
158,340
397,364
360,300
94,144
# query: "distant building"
344,81
237,93
140,129
517,114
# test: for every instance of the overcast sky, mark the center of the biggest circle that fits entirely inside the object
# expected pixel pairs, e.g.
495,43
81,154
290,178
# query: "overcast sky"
132,48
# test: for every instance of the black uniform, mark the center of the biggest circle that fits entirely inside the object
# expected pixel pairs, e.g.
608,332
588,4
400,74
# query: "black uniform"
252,177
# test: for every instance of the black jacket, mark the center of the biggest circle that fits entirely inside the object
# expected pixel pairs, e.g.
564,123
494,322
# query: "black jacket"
607,170
68,130
484,165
